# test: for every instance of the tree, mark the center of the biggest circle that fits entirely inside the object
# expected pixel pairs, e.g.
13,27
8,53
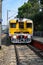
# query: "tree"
41,1
31,10
25,10
28,9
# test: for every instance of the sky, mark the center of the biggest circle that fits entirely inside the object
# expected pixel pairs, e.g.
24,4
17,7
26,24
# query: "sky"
12,7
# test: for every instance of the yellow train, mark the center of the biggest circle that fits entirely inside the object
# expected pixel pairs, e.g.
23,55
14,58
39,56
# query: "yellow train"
21,30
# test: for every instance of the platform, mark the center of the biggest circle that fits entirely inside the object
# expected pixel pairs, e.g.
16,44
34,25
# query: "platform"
40,39
38,42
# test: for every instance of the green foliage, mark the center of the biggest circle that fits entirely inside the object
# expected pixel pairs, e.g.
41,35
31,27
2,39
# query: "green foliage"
28,9
31,10
34,1
24,10
41,1
38,21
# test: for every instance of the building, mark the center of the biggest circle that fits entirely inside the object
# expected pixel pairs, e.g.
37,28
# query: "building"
0,19
0,9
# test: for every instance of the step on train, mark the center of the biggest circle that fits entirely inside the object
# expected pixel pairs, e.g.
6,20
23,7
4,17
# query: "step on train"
21,30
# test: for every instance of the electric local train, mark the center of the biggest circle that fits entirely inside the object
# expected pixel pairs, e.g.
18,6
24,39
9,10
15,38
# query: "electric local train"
21,30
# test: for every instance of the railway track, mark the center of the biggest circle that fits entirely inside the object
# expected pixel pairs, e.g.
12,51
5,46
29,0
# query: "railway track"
37,51
26,56
19,54
8,56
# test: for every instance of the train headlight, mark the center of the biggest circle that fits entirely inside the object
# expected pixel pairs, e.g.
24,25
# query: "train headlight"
29,36
14,37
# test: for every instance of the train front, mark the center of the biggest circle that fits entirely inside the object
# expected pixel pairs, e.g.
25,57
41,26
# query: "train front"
23,31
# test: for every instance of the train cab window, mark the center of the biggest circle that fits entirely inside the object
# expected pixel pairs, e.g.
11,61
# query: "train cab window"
29,25
13,25
21,25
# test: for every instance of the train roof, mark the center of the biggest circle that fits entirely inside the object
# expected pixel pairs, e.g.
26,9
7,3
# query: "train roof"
12,21
21,20
27,20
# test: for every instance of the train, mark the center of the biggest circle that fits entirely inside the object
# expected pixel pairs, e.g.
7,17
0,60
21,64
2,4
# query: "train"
21,30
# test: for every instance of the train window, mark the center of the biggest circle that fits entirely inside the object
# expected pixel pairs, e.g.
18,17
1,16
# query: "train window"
21,25
29,25
13,25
